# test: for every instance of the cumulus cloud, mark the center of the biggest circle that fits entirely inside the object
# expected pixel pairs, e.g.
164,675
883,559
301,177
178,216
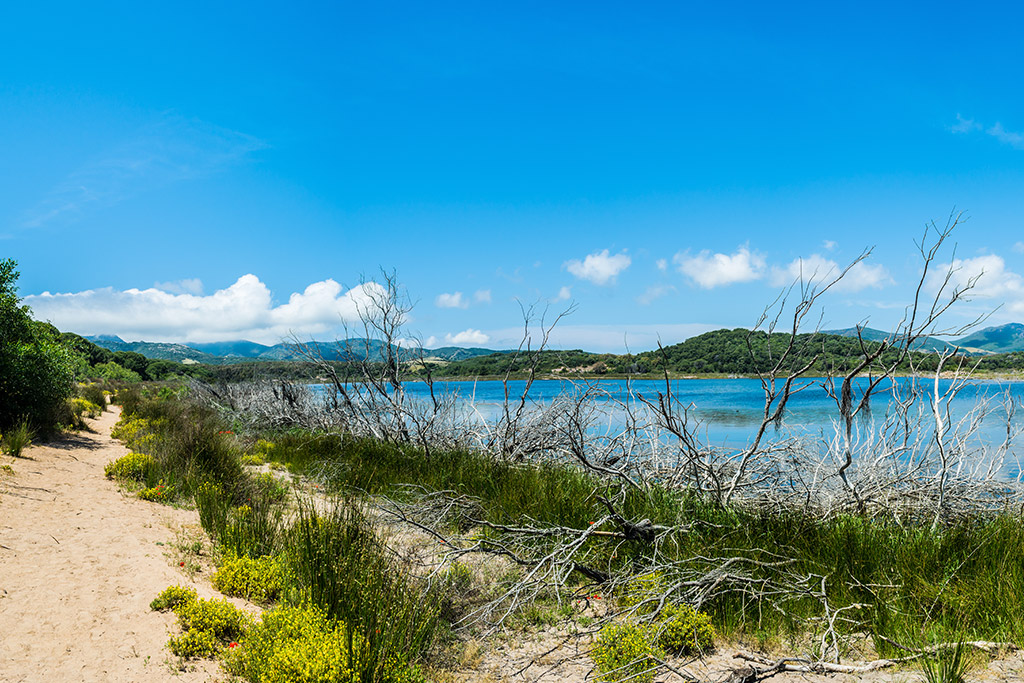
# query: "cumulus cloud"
468,337
453,300
992,280
709,270
482,296
599,268
820,270
563,294
245,310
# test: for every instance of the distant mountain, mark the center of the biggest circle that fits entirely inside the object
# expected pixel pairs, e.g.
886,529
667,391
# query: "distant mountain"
998,339
219,353
870,334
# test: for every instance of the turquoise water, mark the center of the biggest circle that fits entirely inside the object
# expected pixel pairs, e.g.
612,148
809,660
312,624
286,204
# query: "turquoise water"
730,410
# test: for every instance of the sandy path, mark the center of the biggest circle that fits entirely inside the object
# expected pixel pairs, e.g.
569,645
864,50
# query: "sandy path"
79,564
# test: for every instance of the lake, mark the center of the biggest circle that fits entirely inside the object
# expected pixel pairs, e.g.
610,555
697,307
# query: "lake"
730,409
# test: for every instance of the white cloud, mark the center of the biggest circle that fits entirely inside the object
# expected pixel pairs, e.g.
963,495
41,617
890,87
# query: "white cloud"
451,301
994,281
482,296
468,337
599,267
186,286
653,293
1011,138
1018,247
709,270
662,264
245,310
829,245
563,294
819,270
1007,137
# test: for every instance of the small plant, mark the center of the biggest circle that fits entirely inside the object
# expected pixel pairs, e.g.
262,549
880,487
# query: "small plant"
195,645
947,665
625,651
171,597
7,469
259,580
161,493
208,625
94,393
131,467
81,406
253,459
685,631
17,438
271,487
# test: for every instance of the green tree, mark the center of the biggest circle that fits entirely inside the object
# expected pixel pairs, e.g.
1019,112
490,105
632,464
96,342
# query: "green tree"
36,370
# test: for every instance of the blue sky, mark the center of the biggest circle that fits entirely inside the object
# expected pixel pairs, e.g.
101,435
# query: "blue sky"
201,172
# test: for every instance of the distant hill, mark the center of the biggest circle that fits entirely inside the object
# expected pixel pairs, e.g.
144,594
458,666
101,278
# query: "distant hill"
219,353
870,334
998,339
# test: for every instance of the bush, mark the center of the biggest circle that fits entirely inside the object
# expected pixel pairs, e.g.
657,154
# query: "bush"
258,580
298,645
85,407
93,393
131,467
219,617
171,597
195,645
625,651
161,493
685,631
17,438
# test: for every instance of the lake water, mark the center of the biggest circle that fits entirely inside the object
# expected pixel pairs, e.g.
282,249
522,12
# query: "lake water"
730,410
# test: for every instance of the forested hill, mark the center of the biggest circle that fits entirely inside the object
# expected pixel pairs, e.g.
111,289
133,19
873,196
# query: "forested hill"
726,352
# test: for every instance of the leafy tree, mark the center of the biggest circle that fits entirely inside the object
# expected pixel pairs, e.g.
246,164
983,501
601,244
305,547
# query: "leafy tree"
36,370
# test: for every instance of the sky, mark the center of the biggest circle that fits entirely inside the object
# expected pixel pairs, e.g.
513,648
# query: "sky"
222,171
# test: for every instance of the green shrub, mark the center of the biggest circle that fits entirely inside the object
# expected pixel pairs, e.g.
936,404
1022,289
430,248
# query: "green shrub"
208,627
253,459
195,645
271,487
171,597
131,467
93,393
625,651
17,438
81,406
161,493
685,631
259,580
297,645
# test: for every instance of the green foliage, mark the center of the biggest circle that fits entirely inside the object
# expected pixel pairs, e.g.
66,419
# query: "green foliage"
93,393
339,566
36,370
300,645
81,406
947,665
17,438
219,617
685,631
195,645
259,580
115,372
253,529
171,597
625,651
161,493
131,467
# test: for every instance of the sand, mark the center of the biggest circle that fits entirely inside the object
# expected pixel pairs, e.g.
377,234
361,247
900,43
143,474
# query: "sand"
80,563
